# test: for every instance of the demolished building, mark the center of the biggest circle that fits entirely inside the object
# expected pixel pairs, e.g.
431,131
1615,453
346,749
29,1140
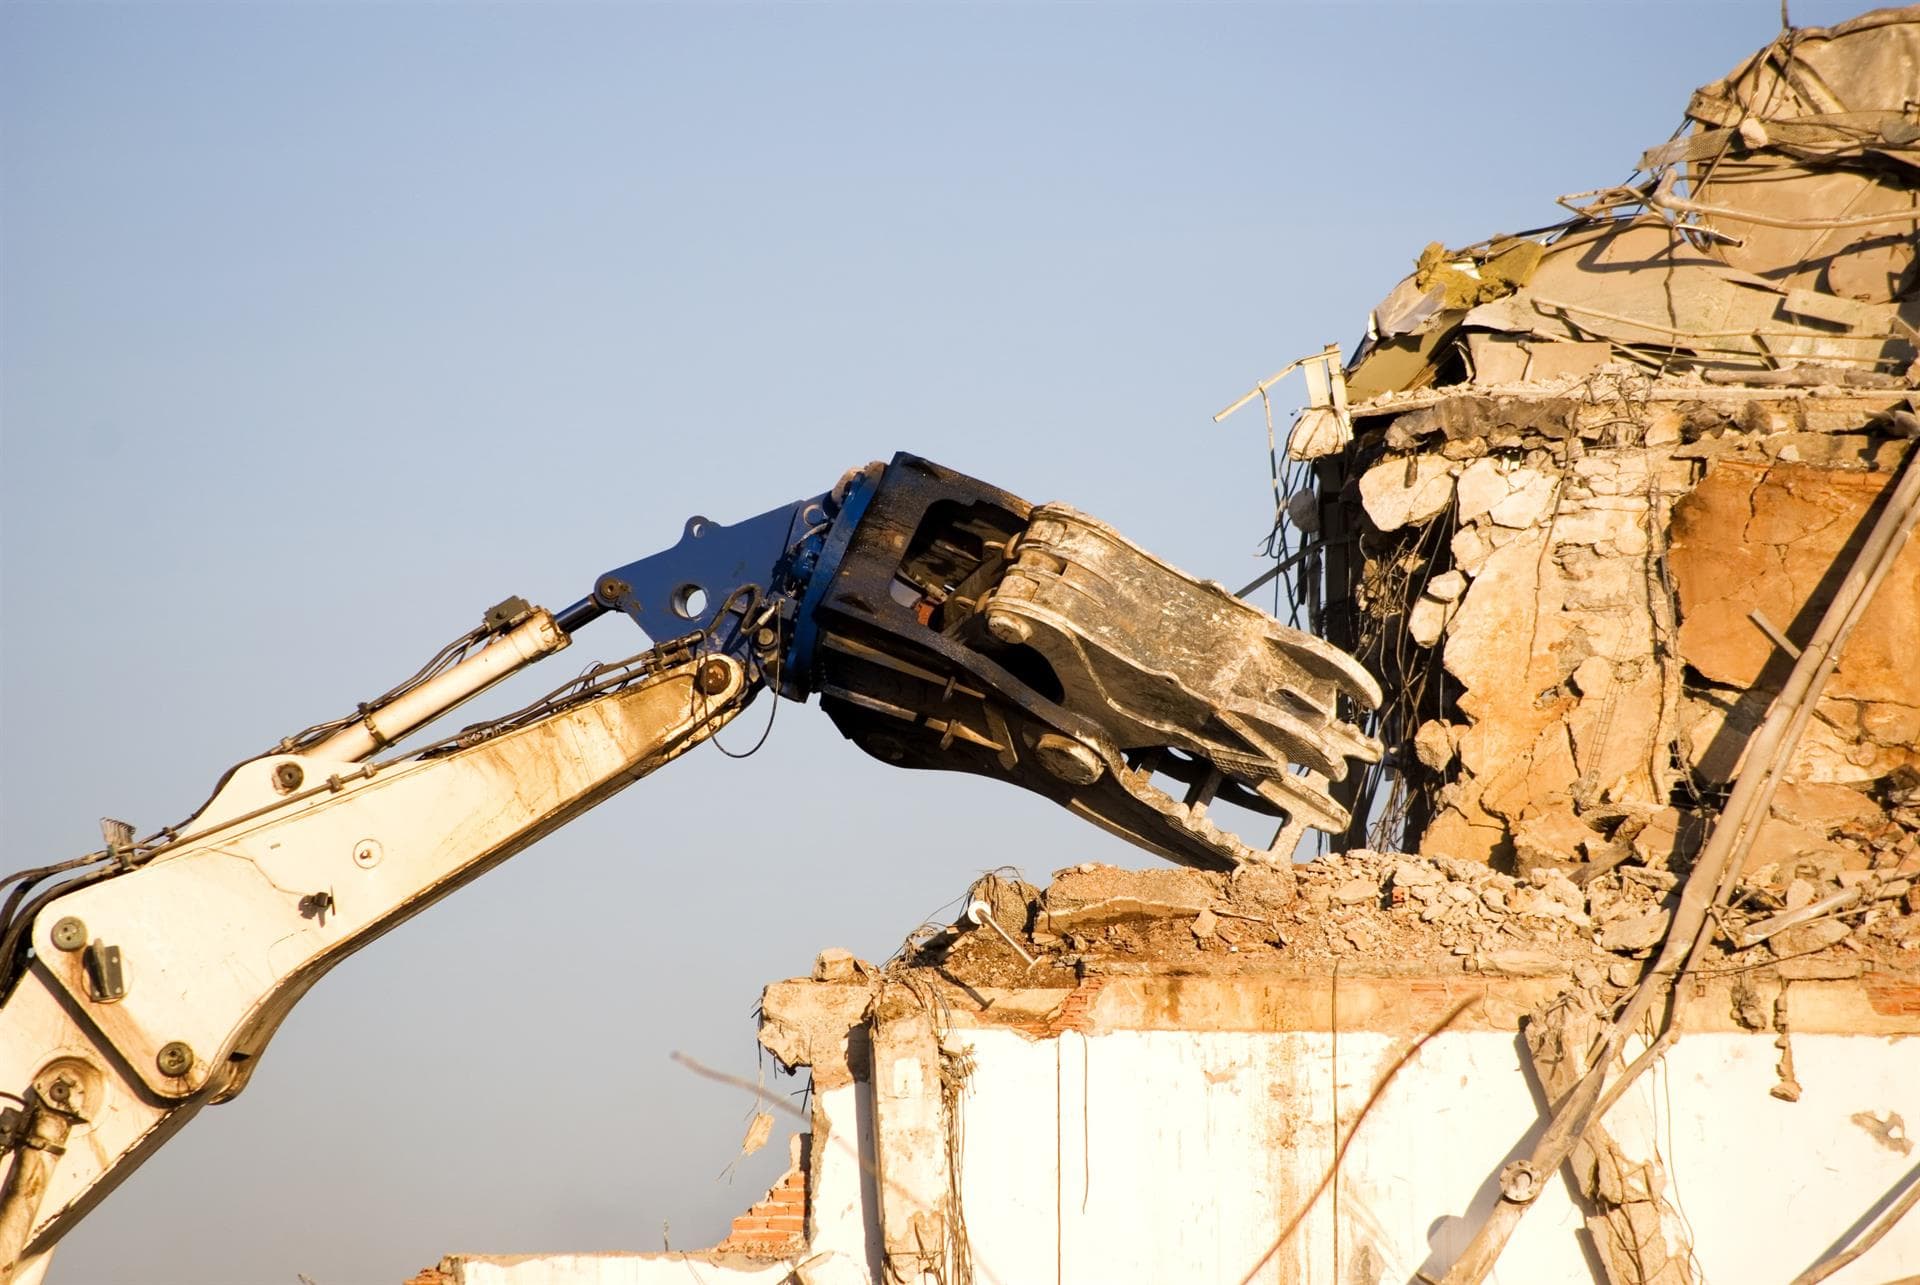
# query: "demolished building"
1616,975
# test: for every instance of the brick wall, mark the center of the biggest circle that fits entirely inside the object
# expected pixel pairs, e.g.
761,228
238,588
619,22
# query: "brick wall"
777,1223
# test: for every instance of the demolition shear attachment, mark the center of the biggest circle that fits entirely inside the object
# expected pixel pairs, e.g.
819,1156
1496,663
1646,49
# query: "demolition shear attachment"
947,624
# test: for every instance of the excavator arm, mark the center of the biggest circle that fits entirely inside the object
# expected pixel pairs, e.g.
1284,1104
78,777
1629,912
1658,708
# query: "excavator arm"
943,624
151,994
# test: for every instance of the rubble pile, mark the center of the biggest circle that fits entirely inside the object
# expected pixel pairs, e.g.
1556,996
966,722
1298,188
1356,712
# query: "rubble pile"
1585,611
1582,494
1391,912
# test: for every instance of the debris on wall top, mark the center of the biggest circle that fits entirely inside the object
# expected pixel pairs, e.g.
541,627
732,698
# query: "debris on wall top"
1380,914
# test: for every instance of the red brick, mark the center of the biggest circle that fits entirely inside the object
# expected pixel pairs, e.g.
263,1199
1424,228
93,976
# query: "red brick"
760,1238
777,1221
1893,999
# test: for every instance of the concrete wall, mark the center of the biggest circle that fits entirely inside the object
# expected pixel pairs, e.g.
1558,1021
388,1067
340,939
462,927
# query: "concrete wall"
602,1269
1160,1127
1151,1156
1157,1126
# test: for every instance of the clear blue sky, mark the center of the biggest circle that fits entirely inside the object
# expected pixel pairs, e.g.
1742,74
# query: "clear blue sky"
322,327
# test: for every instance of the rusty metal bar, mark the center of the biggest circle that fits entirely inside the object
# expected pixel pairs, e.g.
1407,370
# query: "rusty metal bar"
1871,1237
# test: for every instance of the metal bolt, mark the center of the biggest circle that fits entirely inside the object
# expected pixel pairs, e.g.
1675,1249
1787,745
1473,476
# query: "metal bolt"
1010,629
69,934
287,777
764,637
60,1090
175,1059
366,854
715,674
1519,1182
1068,759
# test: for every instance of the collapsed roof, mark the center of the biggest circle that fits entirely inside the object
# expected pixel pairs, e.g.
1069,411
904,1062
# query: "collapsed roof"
1775,230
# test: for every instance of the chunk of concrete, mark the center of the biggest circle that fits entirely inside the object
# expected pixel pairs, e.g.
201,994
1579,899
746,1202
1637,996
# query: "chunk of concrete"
1416,874
1669,836
1768,536
1553,840
1088,899
806,1023
1447,586
1791,845
835,964
1356,892
1303,510
1434,744
1631,933
1406,489
1820,806
1889,724
1482,485
1427,621
1804,939
1530,497
1318,431
1471,548
1592,676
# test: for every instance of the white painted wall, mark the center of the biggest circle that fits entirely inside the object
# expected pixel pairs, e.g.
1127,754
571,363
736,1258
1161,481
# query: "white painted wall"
1153,1156
1140,1157
610,1269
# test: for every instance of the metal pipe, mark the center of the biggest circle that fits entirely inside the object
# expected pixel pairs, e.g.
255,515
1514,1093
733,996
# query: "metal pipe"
583,612
1663,198
981,913
530,640
1900,1209
34,1157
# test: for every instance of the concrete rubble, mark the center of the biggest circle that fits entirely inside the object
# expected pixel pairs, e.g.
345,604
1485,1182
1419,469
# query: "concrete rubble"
1595,482
1580,501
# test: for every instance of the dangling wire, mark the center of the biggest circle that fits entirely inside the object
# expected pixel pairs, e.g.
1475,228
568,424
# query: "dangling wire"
779,652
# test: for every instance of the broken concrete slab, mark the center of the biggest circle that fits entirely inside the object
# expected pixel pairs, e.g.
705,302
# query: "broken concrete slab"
811,1024
1768,539
1090,898
1396,492
1428,620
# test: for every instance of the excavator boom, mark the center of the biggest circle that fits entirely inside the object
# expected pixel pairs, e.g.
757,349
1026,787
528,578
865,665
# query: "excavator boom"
943,623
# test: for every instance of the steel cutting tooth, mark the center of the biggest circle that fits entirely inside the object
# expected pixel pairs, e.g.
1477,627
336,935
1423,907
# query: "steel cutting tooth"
1199,827
1324,660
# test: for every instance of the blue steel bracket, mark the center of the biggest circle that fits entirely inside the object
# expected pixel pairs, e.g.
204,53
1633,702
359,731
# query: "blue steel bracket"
713,570
744,589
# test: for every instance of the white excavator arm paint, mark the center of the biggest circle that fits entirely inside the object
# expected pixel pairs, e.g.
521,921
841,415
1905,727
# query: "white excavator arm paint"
151,994
944,624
